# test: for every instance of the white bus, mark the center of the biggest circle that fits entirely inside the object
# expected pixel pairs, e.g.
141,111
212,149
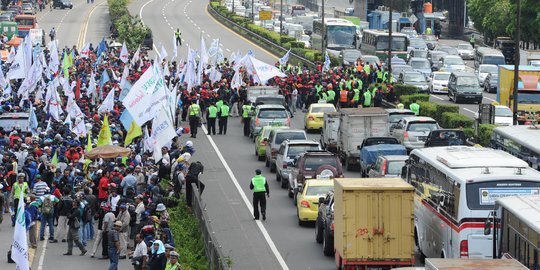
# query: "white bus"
520,141
340,34
375,42
456,188
517,227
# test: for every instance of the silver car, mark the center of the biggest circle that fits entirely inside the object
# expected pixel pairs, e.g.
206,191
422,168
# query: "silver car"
483,71
466,51
388,166
266,115
288,150
412,132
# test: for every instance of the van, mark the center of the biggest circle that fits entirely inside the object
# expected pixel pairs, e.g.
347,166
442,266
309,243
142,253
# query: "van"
464,86
148,41
488,56
9,29
11,121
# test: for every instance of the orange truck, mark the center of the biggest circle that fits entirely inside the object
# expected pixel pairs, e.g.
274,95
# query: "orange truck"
25,23
528,91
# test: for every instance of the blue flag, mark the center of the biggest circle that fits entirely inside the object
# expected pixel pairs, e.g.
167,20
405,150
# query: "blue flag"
126,119
326,62
102,47
104,79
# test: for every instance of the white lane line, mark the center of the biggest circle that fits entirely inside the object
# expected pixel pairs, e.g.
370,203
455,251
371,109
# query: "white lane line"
247,202
437,97
42,255
228,50
83,36
468,110
142,20
490,99
208,35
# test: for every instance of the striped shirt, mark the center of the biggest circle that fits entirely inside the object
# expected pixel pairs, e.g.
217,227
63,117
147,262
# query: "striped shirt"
39,188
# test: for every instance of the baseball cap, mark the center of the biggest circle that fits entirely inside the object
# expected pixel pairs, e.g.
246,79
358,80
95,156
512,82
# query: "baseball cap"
174,254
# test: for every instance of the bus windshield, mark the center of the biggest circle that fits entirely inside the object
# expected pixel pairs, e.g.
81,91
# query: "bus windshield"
341,36
482,195
25,21
494,60
529,97
398,43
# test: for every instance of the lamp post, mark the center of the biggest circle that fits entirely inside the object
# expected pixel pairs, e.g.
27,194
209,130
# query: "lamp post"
323,35
252,12
516,63
389,67
281,18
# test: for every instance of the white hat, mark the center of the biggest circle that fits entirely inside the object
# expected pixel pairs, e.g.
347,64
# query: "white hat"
189,144
160,207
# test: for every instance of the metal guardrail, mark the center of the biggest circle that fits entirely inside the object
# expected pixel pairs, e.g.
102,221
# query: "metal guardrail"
256,37
216,259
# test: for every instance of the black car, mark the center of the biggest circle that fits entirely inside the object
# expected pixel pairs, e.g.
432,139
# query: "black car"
63,4
148,41
491,83
324,229
445,137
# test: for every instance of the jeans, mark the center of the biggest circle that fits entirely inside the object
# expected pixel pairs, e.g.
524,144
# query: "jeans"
73,236
44,220
83,233
113,258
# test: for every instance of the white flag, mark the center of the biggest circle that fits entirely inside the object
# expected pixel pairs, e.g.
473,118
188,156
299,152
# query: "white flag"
85,51
68,122
3,81
19,248
80,128
17,70
145,95
175,47
123,79
265,71
12,54
163,54
124,55
54,61
108,103
283,60
162,132
136,56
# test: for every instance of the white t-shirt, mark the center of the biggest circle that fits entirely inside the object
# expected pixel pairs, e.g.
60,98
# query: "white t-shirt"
114,202
140,250
109,218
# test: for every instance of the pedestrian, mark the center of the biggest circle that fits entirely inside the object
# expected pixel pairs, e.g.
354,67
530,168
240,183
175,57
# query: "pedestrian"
32,211
223,118
211,116
366,99
140,254
125,218
39,186
415,108
178,37
246,118
472,40
105,218
194,112
113,237
47,202
192,177
260,188
172,263
139,210
74,224
19,187
52,33
157,260
64,208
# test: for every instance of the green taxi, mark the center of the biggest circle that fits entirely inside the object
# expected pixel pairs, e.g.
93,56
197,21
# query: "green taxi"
260,140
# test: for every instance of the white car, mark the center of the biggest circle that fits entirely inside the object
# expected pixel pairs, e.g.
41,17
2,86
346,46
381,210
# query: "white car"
503,116
483,71
438,82
288,151
451,63
466,51
306,40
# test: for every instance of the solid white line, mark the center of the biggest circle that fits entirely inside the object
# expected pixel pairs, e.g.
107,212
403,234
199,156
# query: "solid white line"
468,110
228,50
142,20
490,99
437,97
83,39
43,250
247,202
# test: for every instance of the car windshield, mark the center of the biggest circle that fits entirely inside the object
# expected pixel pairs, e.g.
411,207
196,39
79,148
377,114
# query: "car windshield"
528,97
397,69
453,61
488,69
503,111
394,118
449,50
441,77
25,21
494,79
280,137
319,191
414,77
419,64
394,167
322,109
417,43
312,163
465,47
420,53
297,149
398,43
467,81
494,60
277,113
422,126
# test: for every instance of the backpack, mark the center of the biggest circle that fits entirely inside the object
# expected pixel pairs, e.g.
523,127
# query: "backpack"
47,208
87,213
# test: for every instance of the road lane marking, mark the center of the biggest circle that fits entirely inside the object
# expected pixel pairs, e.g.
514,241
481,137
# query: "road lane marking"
42,255
470,111
84,28
247,202
490,99
437,97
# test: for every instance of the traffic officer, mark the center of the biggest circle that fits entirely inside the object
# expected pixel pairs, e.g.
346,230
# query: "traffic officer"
415,108
194,113
472,40
343,98
177,36
246,117
259,187
211,116
356,96
223,117
367,99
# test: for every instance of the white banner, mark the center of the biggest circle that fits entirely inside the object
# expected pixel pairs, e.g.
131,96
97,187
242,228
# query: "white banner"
265,71
124,55
162,132
19,248
108,103
17,70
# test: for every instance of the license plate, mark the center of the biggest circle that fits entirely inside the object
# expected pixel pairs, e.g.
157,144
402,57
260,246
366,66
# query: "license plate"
422,138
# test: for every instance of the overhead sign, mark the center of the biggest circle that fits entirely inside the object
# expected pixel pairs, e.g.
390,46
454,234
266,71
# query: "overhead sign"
265,15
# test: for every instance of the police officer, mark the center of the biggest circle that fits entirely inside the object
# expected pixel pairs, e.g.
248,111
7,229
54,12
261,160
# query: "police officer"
246,117
177,36
211,116
194,112
415,108
259,187
223,118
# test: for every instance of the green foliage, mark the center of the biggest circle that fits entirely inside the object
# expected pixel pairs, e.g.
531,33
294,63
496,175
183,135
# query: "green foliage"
469,132
130,29
427,108
408,99
484,134
286,39
441,109
403,89
455,120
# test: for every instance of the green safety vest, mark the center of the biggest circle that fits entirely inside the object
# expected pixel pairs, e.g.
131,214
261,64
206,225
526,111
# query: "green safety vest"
356,96
379,74
367,69
367,99
212,111
318,88
177,34
385,76
194,110
224,110
331,95
324,96
348,84
360,84
246,110
473,39
219,104
18,188
258,183
415,108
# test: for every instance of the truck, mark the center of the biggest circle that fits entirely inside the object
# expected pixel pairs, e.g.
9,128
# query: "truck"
533,58
466,264
306,22
373,147
508,48
373,223
528,91
18,120
355,125
37,36
255,91
25,23
329,135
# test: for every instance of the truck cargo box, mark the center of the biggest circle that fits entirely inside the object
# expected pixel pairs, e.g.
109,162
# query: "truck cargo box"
469,264
374,222
329,134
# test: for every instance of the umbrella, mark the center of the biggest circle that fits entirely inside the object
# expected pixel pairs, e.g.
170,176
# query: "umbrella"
108,151
15,41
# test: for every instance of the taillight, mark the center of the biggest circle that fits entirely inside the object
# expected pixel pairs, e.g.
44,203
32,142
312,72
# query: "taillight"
406,135
304,204
464,249
284,165
311,118
257,121
332,225
383,167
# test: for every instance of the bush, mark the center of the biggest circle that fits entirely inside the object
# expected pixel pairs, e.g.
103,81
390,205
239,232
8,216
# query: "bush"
127,28
402,89
286,39
469,132
442,108
427,108
408,99
455,120
484,134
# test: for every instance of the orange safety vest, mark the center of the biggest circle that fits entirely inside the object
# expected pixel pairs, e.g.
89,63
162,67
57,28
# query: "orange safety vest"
343,95
359,68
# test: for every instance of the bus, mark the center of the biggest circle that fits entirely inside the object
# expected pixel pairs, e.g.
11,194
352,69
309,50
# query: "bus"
375,42
340,34
516,226
25,23
456,188
520,141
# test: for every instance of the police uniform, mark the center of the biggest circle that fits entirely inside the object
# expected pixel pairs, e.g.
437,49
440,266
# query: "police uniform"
259,187
194,111
211,119
223,118
246,117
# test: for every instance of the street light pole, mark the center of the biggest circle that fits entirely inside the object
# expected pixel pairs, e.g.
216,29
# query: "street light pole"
323,35
516,63
389,67
252,12
281,18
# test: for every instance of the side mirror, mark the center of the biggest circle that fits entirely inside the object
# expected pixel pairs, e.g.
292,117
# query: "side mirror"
487,227
321,200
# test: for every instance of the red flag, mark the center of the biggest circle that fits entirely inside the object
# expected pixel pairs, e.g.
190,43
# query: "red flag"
78,89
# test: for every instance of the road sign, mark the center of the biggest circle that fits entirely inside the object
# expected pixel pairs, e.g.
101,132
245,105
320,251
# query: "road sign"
413,19
265,15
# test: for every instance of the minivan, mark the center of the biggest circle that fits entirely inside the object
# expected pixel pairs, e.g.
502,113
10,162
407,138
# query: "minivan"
463,87
488,56
412,132
269,115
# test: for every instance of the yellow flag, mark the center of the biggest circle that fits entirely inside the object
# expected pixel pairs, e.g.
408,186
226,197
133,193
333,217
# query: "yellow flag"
133,132
89,143
104,137
54,160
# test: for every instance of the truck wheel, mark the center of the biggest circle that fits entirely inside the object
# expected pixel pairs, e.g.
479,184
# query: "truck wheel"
328,244
318,231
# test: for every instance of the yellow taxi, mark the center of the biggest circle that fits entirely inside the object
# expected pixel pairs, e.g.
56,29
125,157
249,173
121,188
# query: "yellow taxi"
307,202
314,118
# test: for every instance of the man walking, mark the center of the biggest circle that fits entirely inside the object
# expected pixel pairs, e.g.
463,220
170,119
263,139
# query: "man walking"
223,118
178,37
140,255
259,187
114,245
47,215
194,112
64,208
124,217
74,224
211,116
246,117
